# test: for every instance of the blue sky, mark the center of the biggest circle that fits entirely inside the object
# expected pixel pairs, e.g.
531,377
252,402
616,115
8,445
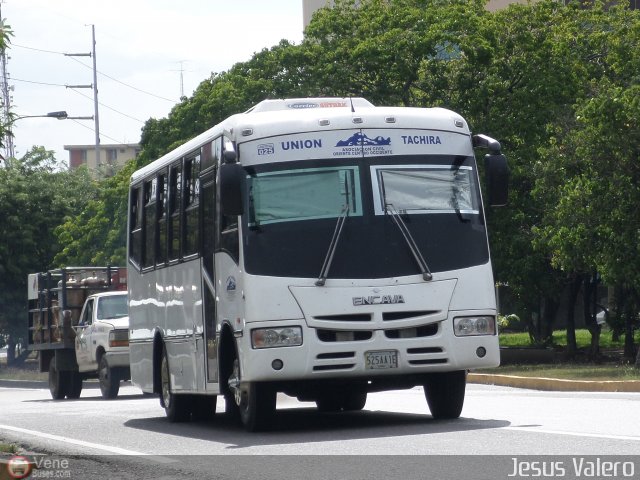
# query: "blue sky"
139,43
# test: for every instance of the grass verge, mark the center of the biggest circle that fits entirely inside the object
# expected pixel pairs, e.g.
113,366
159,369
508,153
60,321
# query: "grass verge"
8,448
559,339
569,371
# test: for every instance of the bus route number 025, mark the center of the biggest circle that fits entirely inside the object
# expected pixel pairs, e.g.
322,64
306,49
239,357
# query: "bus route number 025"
381,359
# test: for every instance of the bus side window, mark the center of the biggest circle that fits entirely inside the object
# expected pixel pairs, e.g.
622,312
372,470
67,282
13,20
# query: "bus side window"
161,232
208,209
192,202
135,227
175,203
209,156
148,252
229,241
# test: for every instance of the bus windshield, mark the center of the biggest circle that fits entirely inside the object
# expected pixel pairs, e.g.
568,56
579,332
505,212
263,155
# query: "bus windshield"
293,208
425,189
303,194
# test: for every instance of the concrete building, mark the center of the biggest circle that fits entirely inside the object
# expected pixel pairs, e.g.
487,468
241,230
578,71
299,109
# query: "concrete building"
112,157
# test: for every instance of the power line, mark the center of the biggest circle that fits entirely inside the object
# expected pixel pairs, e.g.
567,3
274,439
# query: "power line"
101,133
36,49
76,91
101,73
106,106
37,83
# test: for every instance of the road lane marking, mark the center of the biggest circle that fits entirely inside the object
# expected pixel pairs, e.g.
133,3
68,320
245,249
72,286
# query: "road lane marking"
82,443
574,434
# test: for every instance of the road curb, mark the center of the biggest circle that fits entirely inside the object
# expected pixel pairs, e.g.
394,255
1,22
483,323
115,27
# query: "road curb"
555,384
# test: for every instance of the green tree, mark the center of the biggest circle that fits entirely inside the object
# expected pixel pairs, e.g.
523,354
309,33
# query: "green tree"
97,234
6,32
36,194
587,177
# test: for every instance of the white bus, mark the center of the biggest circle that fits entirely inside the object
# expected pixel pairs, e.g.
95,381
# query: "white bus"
321,247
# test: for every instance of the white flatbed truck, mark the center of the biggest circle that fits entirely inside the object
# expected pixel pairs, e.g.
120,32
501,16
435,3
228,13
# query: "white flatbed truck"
78,323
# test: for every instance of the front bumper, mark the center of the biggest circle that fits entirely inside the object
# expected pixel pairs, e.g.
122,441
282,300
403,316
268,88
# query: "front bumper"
343,355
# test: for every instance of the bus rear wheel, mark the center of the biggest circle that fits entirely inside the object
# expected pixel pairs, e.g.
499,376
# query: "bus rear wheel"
177,407
444,393
255,402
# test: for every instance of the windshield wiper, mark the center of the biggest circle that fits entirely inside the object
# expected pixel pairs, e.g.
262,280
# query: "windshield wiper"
411,243
322,278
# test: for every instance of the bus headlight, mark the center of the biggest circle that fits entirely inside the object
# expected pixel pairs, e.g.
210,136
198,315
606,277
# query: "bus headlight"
470,326
119,338
276,337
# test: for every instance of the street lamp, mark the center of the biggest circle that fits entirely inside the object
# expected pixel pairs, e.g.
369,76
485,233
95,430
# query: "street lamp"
60,115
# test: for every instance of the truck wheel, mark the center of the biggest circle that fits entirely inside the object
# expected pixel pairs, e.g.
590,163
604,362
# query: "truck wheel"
177,407
75,385
109,380
58,381
254,401
445,393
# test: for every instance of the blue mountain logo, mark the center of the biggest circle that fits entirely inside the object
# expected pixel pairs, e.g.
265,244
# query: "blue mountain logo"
360,139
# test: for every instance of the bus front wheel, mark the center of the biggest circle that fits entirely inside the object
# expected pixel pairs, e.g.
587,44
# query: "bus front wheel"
255,402
445,393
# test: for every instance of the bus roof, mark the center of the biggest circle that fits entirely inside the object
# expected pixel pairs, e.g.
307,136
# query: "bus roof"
296,115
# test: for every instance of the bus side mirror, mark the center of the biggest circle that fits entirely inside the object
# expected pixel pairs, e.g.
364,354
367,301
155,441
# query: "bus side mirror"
496,173
232,177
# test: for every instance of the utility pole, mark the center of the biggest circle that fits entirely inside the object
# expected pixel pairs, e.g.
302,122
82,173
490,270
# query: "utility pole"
95,95
94,86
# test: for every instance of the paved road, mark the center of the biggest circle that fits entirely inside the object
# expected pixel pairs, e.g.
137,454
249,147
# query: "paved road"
495,421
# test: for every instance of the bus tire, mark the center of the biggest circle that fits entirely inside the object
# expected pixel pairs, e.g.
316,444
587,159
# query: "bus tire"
58,381
75,385
109,379
255,402
177,407
257,407
329,403
445,393
354,401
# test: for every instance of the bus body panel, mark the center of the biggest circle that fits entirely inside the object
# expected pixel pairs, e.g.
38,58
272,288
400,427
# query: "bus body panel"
168,301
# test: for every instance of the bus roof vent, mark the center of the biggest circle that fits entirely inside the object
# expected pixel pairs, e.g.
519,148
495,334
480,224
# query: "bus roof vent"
310,103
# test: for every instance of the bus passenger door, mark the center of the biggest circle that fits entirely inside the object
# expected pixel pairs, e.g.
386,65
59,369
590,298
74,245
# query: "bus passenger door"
208,185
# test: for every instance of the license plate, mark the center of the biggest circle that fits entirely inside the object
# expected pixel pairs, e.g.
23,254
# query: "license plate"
380,359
